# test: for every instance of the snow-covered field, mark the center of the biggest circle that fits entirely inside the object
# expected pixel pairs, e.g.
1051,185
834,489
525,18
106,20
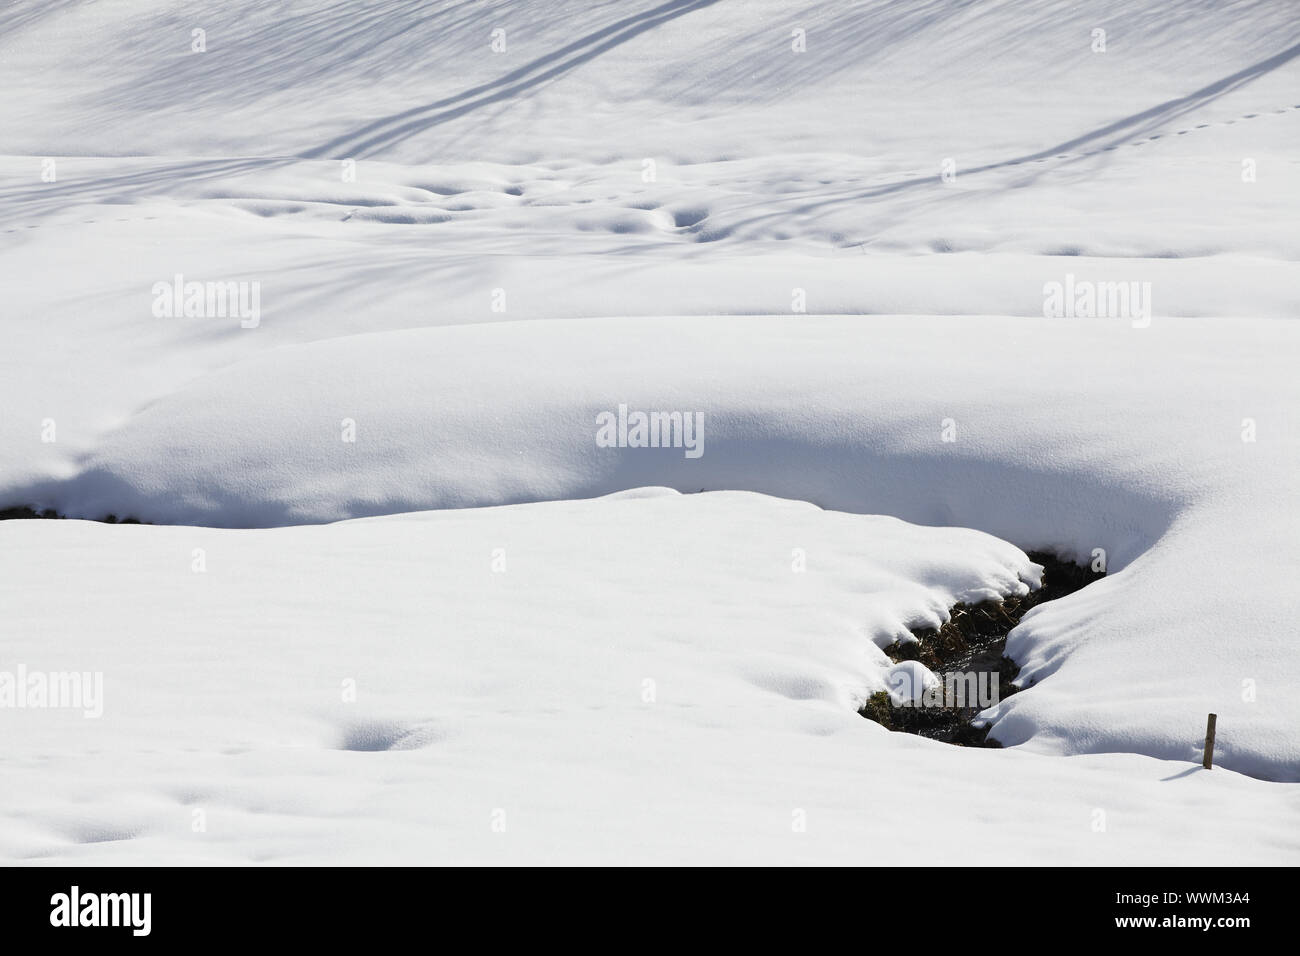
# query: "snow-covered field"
939,283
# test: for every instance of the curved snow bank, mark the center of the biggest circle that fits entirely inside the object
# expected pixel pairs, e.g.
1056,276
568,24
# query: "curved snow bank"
650,678
1070,436
1029,429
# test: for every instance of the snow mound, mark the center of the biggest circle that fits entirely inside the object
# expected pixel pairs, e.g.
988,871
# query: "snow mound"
665,671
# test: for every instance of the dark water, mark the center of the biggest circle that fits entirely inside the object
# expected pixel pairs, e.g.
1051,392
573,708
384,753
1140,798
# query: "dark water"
972,642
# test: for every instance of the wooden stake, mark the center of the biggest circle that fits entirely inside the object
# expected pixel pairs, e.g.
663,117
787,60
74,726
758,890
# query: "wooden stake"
1208,762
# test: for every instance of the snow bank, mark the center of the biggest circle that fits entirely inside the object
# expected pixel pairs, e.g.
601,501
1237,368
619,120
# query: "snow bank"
1086,437
646,679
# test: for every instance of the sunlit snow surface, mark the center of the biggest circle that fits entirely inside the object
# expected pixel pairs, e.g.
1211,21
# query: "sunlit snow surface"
630,205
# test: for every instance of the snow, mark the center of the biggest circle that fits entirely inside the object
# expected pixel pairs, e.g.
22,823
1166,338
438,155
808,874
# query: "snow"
907,681
644,679
504,270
